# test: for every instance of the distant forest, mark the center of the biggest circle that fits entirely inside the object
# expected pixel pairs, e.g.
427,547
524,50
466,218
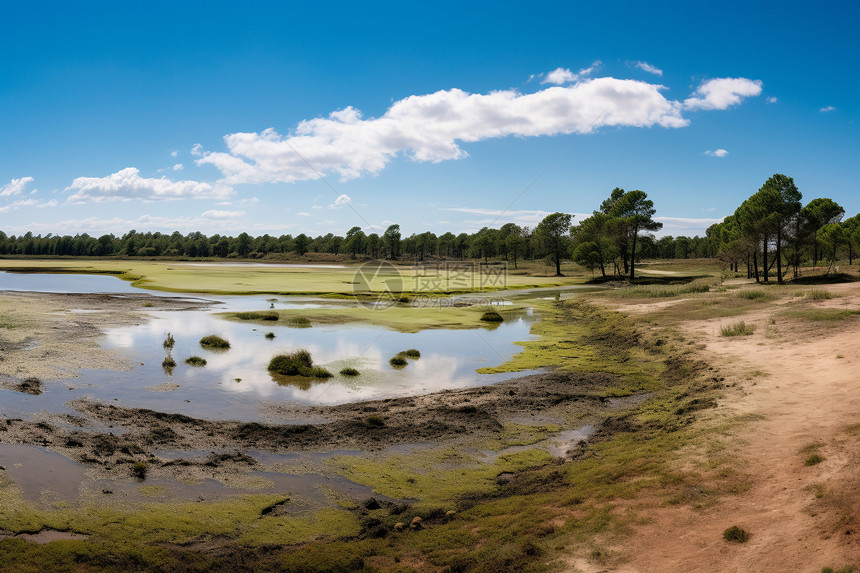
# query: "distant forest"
770,234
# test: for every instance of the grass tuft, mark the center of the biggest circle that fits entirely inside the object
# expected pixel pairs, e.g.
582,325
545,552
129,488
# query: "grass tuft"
138,470
818,294
270,335
813,460
398,361
214,341
195,361
736,534
492,316
349,372
299,322
411,353
738,329
169,341
298,363
257,315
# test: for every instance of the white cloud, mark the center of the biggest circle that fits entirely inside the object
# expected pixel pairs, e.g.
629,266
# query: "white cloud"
646,67
28,203
772,99
341,200
827,109
303,214
127,184
561,76
15,186
722,93
685,226
717,153
178,167
174,153
219,214
431,127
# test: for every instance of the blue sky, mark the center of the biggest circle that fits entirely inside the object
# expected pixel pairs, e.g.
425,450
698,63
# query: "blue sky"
447,116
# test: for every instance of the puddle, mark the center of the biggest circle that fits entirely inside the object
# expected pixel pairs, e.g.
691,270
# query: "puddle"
68,283
41,474
49,535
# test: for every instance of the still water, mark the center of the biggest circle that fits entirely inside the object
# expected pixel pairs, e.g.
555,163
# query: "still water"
235,383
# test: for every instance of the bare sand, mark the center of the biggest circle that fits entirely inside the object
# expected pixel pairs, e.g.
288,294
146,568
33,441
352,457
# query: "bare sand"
799,382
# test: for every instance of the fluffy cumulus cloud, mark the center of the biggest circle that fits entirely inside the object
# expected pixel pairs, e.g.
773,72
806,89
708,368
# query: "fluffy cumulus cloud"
717,153
15,186
646,67
822,110
722,93
127,184
561,76
432,127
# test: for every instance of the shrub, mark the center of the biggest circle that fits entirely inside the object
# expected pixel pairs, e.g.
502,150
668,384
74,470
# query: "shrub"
398,361
374,422
349,372
298,363
168,362
411,353
492,316
270,335
195,361
736,534
213,341
814,459
139,470
738,329
168,341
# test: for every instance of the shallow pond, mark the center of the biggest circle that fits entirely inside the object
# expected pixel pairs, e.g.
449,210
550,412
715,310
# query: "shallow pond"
68,283
235,383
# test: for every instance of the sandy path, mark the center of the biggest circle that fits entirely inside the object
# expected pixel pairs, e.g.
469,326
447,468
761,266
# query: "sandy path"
807,394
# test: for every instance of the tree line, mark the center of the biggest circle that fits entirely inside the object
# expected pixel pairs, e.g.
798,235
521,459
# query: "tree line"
770,229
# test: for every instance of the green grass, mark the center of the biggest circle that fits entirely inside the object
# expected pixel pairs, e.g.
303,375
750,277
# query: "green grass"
818,294
695,286
813,460
298,363
215,278
195,361
214,341
299,322
257,315
757,295
738,329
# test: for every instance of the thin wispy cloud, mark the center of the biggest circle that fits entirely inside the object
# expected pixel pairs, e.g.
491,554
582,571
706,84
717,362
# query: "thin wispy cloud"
646,67
221,214
432,127
28,203
717,153
772,99
827,109
686,225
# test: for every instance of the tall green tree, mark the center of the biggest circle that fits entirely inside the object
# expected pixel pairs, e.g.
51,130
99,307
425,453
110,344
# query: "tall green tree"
635,212
553,232
391,241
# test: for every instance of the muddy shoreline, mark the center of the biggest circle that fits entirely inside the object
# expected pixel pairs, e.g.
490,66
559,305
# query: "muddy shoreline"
109,439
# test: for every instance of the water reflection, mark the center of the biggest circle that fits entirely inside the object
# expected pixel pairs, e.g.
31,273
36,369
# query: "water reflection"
235,382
